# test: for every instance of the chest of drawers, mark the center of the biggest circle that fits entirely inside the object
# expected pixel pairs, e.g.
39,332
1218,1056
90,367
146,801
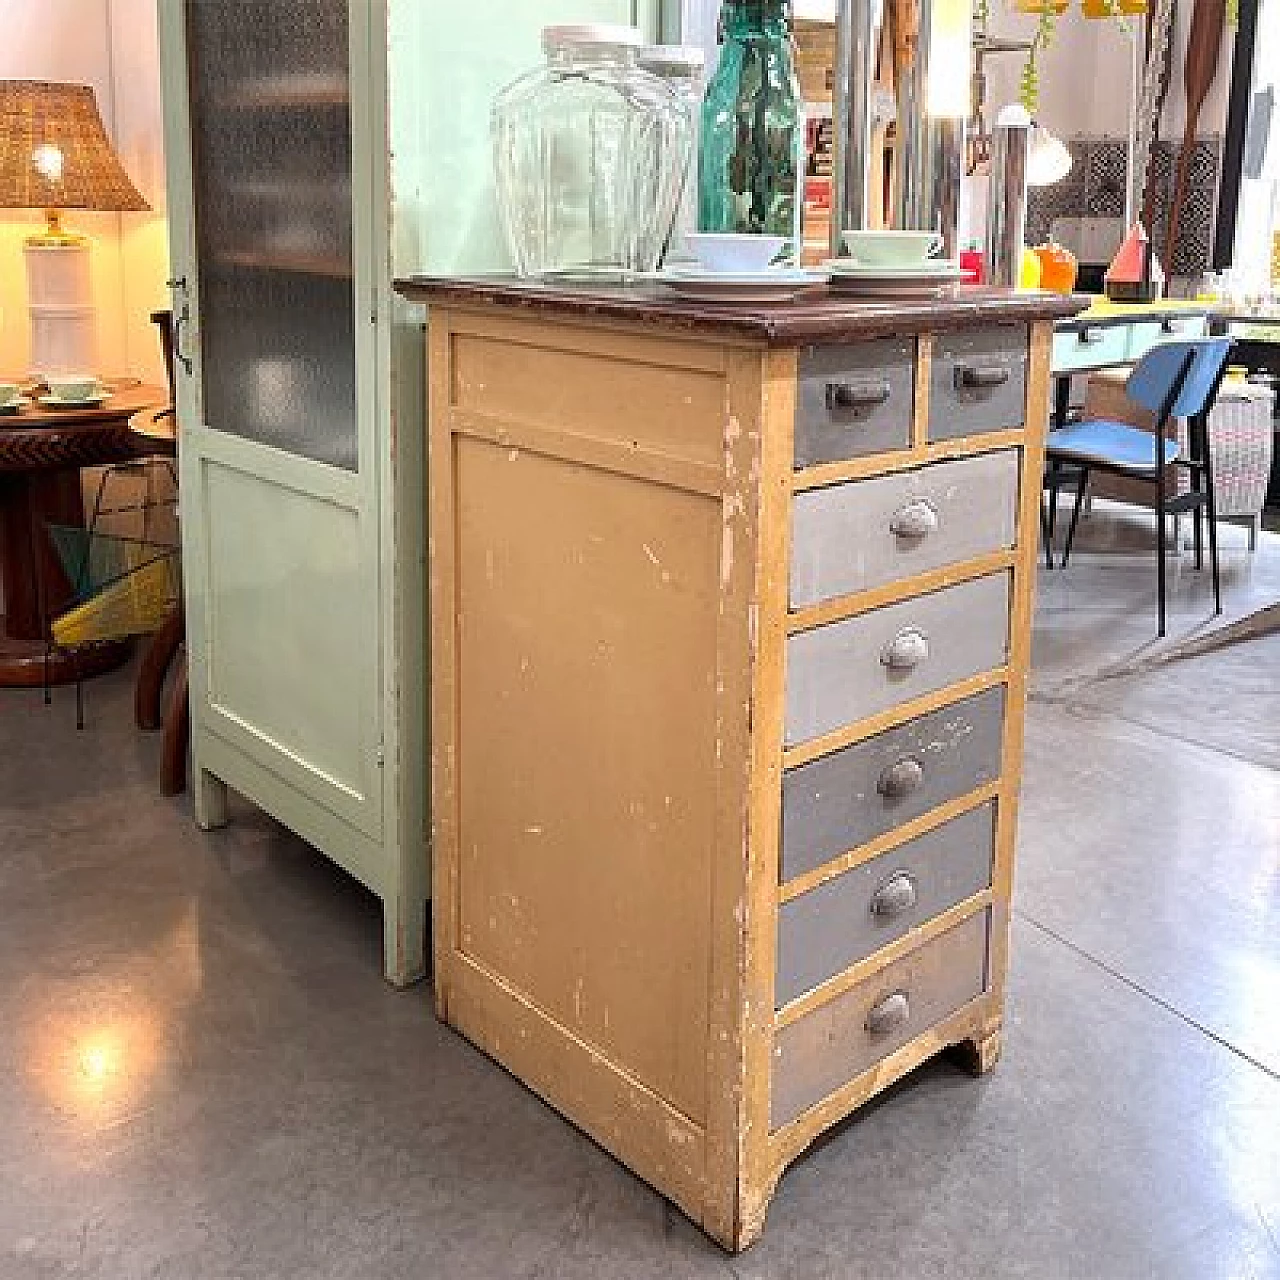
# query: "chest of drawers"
730,622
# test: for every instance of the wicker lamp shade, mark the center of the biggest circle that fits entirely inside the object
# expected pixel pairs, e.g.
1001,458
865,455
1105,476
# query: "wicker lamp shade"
54,152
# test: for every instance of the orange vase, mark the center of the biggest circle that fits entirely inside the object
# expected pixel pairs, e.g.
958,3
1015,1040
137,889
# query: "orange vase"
1058,267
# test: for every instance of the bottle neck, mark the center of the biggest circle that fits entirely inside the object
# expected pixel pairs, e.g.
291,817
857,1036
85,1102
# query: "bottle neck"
755,19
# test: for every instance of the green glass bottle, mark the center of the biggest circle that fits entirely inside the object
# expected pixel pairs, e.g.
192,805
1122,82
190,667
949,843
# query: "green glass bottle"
751,148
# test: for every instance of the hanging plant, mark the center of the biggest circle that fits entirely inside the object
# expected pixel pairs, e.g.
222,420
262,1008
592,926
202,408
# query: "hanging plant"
1047,12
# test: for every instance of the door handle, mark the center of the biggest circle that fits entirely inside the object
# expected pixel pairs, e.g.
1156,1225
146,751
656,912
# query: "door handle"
972,376
857,395
181,321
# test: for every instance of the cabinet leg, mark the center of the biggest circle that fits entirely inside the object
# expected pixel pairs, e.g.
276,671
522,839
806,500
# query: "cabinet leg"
210,800
404,941
979,1054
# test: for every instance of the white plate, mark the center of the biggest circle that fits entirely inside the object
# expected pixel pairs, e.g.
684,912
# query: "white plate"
89,402
769,276
908,290
778,284
12,406
933,270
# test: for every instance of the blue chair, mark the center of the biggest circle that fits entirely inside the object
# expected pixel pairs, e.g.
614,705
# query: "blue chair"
1174,379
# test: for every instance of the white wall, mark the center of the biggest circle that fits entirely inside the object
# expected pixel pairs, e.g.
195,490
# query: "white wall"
110,45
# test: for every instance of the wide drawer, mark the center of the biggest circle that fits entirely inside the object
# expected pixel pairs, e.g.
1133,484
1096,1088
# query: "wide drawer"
1144,336
817,1054
845,671
851,537
846,799
1090,347
978,382
841,921
854,400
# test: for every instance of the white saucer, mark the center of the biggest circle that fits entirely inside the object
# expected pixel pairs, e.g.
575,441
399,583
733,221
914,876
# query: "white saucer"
89,402
774,284
933,269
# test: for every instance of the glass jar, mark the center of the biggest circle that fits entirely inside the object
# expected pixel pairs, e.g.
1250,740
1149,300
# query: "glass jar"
588,151
752,147
682,67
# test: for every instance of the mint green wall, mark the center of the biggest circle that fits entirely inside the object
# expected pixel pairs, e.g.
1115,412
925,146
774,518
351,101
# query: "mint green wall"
447,61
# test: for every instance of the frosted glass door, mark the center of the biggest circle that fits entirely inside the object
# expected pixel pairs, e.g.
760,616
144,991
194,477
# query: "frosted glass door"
271,159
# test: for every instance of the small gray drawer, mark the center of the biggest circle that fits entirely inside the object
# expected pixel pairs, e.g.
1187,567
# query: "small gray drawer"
823,932
851,537
817,1054
846,799
854,400
845,671
978,382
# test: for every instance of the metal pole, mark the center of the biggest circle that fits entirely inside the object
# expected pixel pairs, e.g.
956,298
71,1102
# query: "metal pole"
1007,197
912,209
857,45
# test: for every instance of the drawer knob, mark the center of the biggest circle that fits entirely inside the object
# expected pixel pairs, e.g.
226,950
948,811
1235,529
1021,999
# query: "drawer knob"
1090,337
1168,325
971,377
901,778
908,649
896,896
857,396
889,1014
916,520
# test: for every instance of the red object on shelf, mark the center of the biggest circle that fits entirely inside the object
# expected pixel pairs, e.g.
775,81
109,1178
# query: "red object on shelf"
971,261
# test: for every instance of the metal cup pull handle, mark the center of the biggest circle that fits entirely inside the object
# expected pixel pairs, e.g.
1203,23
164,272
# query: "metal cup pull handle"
889,1014
901,778
895,897
856,396
1090,337
908,649
970,377
917,519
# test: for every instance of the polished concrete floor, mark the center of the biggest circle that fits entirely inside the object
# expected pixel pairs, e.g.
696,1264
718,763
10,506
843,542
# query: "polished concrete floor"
202,1074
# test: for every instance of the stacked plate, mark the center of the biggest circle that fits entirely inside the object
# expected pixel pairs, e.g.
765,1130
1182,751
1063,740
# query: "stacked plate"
930,278
770,284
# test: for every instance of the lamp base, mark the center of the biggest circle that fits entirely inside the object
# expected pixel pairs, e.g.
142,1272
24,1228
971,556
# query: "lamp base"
64,322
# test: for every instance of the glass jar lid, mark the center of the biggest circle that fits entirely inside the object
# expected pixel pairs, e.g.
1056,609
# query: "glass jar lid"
673,59
597,35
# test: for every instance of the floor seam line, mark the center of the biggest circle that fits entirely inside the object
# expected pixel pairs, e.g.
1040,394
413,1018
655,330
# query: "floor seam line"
1136,986
1064,702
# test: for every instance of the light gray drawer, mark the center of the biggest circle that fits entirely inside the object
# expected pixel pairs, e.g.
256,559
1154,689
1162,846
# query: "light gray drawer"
851,537
846,671
1144,336
848,798
854,400
825,931
1090,347
817,1054
978,382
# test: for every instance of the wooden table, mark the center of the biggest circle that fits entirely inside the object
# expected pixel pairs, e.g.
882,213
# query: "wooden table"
41,454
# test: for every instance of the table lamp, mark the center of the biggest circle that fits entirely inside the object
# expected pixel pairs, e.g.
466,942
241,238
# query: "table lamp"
54,155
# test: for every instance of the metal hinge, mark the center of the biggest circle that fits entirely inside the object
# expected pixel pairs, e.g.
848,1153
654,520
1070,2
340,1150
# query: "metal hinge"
380,755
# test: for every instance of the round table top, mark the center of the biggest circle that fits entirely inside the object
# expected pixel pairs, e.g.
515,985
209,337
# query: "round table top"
37,437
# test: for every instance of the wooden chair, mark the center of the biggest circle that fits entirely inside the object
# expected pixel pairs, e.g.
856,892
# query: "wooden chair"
1174,379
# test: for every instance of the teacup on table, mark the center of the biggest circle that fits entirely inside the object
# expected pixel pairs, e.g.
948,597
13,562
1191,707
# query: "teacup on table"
9,392
72,387
732,252
892,248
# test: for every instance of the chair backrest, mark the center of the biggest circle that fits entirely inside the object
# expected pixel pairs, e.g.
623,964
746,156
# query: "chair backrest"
1153,379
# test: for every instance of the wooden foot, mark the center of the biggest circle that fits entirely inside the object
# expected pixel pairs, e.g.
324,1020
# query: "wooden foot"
210,800
980,1054
177,734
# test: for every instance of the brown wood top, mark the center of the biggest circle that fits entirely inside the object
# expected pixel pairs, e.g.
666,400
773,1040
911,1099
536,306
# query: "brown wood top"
38,438
821,318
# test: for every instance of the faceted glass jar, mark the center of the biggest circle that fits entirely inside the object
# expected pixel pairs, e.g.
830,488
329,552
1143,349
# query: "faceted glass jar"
589,152
682,67
751,150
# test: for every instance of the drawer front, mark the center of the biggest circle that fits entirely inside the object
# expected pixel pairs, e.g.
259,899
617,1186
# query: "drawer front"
851,537
1090,347
817,1054
854,400
978,382
825,931
1144,336
848,798
846,671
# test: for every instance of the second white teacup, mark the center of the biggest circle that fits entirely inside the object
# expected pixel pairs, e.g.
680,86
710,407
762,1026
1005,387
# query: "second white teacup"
9,392
892,248
74,386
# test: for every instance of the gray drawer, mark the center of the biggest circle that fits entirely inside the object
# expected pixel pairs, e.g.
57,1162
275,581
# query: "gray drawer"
851,537
843,920
978,382
846,671
848,798
817,1054
854,400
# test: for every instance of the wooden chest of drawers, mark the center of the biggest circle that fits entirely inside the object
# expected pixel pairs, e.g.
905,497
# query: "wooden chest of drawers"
730,631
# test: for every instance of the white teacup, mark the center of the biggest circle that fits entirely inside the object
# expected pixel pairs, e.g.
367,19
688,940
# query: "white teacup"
9,392
892,248
734,252
74,386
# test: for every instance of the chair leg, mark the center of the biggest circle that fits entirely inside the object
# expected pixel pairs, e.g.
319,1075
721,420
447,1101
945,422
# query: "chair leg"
1255,531
177,734
1160,557
1213,523
155,663
1081,485
1046,532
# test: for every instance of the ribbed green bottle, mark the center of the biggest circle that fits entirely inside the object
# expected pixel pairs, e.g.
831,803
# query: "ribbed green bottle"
752,146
